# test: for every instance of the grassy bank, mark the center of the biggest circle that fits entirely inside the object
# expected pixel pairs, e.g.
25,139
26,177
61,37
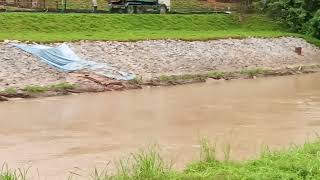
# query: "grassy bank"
41,27
299,162
296,162
165,80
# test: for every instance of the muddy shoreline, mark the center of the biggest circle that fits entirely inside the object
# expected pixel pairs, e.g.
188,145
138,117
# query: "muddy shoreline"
100,84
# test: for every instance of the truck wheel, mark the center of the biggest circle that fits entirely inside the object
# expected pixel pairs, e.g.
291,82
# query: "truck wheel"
163,9
131,9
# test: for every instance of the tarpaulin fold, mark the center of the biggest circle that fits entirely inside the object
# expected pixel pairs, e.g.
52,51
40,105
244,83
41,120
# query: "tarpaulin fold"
64,59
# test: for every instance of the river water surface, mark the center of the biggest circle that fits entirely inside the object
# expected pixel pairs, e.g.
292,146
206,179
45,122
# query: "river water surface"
55,135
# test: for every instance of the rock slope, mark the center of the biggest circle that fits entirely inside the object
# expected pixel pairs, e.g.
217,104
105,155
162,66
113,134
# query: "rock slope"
156,57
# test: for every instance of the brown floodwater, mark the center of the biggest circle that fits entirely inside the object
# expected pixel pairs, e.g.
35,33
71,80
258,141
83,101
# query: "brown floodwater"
76,133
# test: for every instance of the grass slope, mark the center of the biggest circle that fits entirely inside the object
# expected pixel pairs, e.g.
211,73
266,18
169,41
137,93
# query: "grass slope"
298,162
72,27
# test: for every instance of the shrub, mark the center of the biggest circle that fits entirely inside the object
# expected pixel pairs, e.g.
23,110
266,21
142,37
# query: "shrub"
314,25
10,90
62,86
35,89
301,16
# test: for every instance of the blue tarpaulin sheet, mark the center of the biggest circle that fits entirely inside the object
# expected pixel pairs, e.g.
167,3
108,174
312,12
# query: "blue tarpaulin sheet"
64,59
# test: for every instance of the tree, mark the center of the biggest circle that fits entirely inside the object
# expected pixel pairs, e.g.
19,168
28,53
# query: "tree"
301,16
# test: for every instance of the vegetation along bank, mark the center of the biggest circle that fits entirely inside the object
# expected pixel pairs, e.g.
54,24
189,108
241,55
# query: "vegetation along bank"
296,162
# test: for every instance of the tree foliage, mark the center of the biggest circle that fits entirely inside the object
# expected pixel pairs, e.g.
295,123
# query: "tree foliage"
301,16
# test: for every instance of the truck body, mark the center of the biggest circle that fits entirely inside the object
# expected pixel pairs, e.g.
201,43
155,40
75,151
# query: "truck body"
139,6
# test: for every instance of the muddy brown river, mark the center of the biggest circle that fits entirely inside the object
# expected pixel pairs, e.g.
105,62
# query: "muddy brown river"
76,133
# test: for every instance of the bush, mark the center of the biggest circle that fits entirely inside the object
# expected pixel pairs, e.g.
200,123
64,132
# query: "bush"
62,86
35,89
10,90
301,16
314,25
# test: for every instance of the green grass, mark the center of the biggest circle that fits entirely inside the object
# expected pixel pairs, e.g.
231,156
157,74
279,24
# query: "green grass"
296,162
62,86
166,78
179,79
35,89
246,73
216,75
41,27
299,162
146,164
253,72
227,75
10,90
42,89
9,174
293,163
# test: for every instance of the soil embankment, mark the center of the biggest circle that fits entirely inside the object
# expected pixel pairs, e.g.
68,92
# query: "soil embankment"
155,61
